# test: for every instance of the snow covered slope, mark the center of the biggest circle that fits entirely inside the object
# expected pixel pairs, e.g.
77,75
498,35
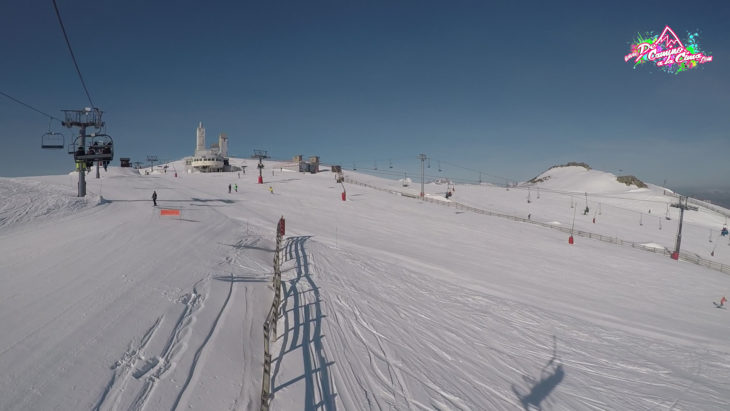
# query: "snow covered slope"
390,302
27,200
577,179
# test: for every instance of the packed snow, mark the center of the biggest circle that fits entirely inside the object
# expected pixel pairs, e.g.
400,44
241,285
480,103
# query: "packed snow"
390,301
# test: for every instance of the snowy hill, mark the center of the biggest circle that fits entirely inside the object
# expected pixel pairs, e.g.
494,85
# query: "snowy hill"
579,180
389,301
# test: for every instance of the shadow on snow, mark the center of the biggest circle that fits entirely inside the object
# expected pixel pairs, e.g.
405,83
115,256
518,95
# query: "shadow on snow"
550,376
306,332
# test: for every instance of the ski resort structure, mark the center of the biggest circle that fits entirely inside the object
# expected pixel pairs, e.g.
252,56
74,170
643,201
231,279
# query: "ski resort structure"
212,159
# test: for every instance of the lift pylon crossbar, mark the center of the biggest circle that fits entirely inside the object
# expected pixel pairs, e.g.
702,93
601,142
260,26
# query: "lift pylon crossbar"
88,117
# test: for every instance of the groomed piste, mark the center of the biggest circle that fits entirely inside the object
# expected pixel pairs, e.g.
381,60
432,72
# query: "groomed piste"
389,301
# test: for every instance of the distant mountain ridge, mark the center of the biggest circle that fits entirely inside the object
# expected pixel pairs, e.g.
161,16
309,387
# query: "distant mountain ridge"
719,196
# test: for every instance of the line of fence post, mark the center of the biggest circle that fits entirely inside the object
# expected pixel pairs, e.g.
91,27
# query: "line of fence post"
272,318
685,256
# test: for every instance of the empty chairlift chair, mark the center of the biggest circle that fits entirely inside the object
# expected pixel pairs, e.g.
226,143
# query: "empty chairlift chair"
53,141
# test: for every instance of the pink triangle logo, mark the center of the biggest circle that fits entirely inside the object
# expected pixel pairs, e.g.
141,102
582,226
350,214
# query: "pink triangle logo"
669,39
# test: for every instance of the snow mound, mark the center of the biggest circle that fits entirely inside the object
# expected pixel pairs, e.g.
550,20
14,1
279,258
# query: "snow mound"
109,172
34,200
581,180
654,245
121,171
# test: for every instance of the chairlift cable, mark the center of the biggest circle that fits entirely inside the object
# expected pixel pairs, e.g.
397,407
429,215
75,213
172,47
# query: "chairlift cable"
30,107
68,43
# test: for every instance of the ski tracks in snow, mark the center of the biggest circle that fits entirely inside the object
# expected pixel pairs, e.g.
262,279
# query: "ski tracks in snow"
392,337
163,368
137,373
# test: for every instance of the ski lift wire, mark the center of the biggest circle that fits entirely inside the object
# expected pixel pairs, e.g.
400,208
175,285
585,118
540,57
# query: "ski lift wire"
30,107
70,50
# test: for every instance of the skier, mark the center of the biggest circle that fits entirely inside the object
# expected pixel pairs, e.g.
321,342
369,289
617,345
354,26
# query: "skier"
236,187
271,190
723,301
229,189
154,198
723,232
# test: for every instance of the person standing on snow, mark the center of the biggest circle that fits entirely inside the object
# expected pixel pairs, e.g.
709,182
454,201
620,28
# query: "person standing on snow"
154,198
236,187
229,188
271,190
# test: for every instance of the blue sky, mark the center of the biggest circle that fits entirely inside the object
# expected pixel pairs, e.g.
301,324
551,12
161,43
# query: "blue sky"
505,88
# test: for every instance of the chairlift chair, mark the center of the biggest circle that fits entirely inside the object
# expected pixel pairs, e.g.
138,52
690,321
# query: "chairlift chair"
53,140
97,147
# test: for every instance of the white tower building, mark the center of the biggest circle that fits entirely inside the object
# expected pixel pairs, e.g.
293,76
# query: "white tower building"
211,159
223,144
201,138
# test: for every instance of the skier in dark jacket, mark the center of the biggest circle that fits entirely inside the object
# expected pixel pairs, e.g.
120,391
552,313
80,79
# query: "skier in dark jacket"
154,198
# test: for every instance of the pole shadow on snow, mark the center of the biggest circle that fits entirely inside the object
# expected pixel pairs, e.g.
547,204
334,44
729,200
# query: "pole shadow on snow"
286,180
249,244
242,279
305,333
211,200
187,220
539,389
194,201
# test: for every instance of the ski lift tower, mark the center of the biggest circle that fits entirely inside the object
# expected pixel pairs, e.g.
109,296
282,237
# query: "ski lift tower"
681,207
152,160
260,154
88,117
423,158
